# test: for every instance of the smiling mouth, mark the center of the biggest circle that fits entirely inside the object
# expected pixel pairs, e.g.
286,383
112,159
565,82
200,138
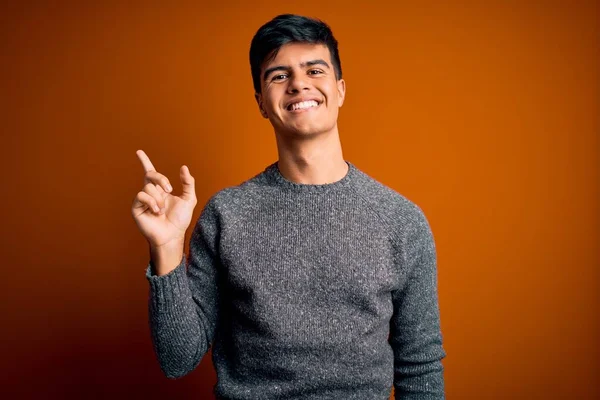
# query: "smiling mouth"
303,106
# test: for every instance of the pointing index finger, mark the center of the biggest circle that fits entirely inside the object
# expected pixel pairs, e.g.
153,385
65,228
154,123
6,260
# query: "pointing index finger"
146,163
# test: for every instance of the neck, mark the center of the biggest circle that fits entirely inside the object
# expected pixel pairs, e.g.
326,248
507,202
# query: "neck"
311,161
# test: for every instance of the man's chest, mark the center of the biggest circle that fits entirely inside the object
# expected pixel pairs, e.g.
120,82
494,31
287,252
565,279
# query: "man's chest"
323,257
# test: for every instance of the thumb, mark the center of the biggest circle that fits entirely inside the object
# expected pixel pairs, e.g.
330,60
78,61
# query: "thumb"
188,182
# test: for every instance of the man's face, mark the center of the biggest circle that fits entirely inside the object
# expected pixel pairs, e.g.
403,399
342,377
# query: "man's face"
300,93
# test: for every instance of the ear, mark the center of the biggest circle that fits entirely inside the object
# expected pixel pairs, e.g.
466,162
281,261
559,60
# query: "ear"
341,87
258,98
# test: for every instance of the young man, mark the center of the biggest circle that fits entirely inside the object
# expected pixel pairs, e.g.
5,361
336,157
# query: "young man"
310,280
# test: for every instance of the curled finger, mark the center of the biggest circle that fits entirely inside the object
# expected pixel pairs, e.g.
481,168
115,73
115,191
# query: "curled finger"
158,179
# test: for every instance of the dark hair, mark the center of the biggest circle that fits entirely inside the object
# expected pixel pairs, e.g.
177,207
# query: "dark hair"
288,28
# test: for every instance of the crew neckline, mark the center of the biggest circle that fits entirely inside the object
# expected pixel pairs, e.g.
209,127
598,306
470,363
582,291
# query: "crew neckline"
276,176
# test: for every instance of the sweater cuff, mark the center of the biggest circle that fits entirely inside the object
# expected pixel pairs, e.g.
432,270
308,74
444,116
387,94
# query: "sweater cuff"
168,289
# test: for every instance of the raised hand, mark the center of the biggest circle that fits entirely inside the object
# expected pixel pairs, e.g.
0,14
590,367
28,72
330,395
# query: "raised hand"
161,216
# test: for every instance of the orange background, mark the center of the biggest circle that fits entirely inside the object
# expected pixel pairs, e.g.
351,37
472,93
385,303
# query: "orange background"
486,115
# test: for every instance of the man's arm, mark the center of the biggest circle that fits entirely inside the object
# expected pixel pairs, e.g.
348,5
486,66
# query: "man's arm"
183,304
415,333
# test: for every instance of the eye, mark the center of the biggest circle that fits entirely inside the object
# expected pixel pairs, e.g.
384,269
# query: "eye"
315,72
279,77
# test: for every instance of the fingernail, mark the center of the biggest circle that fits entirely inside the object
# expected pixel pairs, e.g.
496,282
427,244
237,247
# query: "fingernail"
169,188
155,208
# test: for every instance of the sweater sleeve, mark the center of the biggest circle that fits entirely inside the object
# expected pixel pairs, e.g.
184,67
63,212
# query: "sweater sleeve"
183,304
415,334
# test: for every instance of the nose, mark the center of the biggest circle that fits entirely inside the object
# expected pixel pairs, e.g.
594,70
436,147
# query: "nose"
297,82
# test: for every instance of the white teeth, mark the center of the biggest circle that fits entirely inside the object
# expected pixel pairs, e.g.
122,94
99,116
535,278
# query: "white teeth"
303,105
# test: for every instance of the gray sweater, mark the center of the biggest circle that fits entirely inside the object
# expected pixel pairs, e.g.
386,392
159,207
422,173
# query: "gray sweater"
305,292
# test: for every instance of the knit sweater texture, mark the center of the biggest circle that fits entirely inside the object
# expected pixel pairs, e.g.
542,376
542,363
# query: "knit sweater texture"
305,292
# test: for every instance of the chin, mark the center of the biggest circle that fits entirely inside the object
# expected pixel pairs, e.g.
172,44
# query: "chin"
302,129
307,130
305,133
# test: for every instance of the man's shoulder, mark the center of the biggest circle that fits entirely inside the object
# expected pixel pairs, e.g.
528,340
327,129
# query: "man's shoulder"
387,201
241,194
401,216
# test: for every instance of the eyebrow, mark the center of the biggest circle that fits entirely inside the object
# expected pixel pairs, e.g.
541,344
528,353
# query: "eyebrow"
310,63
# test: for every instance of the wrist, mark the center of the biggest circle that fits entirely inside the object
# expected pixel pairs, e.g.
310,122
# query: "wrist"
165,258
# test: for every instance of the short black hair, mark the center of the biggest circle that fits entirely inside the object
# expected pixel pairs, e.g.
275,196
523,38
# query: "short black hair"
289,28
